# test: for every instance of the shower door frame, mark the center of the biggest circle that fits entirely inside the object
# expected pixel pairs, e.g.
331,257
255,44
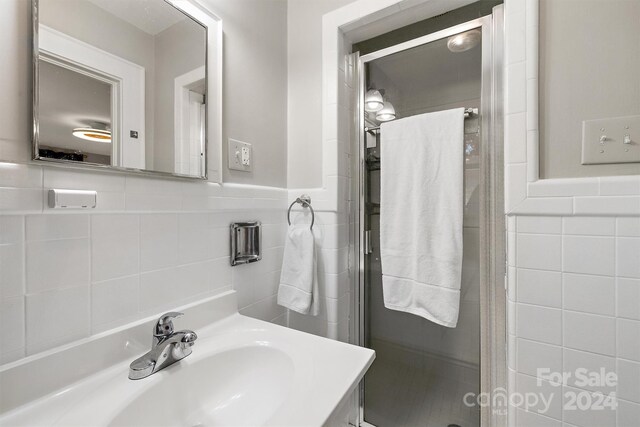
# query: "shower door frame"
493,331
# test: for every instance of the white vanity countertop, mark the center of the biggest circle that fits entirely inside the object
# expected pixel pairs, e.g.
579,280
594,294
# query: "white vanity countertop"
286,377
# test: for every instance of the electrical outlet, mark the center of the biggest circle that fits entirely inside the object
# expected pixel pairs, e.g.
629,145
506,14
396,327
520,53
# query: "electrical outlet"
246,156
240,154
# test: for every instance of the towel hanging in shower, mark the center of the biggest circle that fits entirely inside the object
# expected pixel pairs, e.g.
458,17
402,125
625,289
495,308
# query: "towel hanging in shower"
421,209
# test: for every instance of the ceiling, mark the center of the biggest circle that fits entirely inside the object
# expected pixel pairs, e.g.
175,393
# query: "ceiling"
150,16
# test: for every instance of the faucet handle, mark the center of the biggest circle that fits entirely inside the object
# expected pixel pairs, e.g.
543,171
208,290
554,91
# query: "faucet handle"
164,325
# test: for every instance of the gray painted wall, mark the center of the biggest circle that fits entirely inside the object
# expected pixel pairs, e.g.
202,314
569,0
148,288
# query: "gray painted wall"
255,86
589,69
304,126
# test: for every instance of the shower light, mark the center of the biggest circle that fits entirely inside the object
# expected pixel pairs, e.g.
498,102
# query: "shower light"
97,132
387,113
373,101
464,41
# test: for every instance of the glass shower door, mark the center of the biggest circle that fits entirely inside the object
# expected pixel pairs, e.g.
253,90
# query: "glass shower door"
423,370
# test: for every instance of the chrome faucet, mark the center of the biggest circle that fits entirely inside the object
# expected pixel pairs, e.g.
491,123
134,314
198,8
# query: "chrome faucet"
167,347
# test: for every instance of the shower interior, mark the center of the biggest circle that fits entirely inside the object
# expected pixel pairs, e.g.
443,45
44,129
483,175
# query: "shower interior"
422,370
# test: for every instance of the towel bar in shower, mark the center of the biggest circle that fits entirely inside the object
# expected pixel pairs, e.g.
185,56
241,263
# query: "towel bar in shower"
468,112
305,202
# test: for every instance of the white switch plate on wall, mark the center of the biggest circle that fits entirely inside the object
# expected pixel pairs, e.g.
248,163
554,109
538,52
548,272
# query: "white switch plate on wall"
603,140
240,156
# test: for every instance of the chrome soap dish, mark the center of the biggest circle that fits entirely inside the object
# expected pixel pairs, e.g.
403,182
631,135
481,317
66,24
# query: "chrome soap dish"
245,242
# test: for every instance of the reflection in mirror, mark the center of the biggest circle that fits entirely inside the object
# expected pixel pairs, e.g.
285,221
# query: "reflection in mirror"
75,118
121,83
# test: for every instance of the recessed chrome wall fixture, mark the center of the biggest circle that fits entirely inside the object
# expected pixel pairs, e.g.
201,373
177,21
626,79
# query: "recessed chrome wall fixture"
246,242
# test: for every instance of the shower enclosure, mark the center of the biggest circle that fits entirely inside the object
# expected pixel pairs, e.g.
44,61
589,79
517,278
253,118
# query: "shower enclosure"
426,374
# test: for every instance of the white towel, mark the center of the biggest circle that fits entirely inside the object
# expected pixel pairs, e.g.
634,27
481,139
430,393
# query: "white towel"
298,289
421,209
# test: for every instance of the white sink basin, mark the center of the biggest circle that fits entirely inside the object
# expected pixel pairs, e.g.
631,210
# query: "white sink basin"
238,387
242,372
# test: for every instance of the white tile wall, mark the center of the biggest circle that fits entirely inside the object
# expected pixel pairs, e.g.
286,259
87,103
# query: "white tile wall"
587,254
539,251
629,227
593,226
628,298
589,294
539,287
627,339
539,224
56,317
112,302
115,246
333,216
629,380
54,264
574,303
531,355
588,271
12,336
589,332
539,323
627,265
150,244
574,360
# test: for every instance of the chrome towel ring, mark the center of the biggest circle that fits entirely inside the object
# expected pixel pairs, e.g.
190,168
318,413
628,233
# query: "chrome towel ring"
305,201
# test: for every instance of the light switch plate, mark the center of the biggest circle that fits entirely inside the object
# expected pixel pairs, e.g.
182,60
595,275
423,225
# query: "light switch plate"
240,156
603,140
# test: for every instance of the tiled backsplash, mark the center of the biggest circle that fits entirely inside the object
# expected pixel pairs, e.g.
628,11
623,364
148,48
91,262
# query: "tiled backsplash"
574,302
150,244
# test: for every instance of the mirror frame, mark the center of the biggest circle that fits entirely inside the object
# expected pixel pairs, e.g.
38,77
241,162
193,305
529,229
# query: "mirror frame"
212,25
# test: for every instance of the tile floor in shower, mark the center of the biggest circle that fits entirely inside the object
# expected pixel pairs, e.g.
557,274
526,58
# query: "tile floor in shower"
428,394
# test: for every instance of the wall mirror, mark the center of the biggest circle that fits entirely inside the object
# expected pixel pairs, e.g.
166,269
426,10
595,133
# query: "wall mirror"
125,84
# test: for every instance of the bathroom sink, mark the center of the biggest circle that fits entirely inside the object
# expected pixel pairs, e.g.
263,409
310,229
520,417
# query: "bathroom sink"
238,387
242,372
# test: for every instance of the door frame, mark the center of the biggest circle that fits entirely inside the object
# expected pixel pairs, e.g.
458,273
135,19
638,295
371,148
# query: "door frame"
181,88
493,332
